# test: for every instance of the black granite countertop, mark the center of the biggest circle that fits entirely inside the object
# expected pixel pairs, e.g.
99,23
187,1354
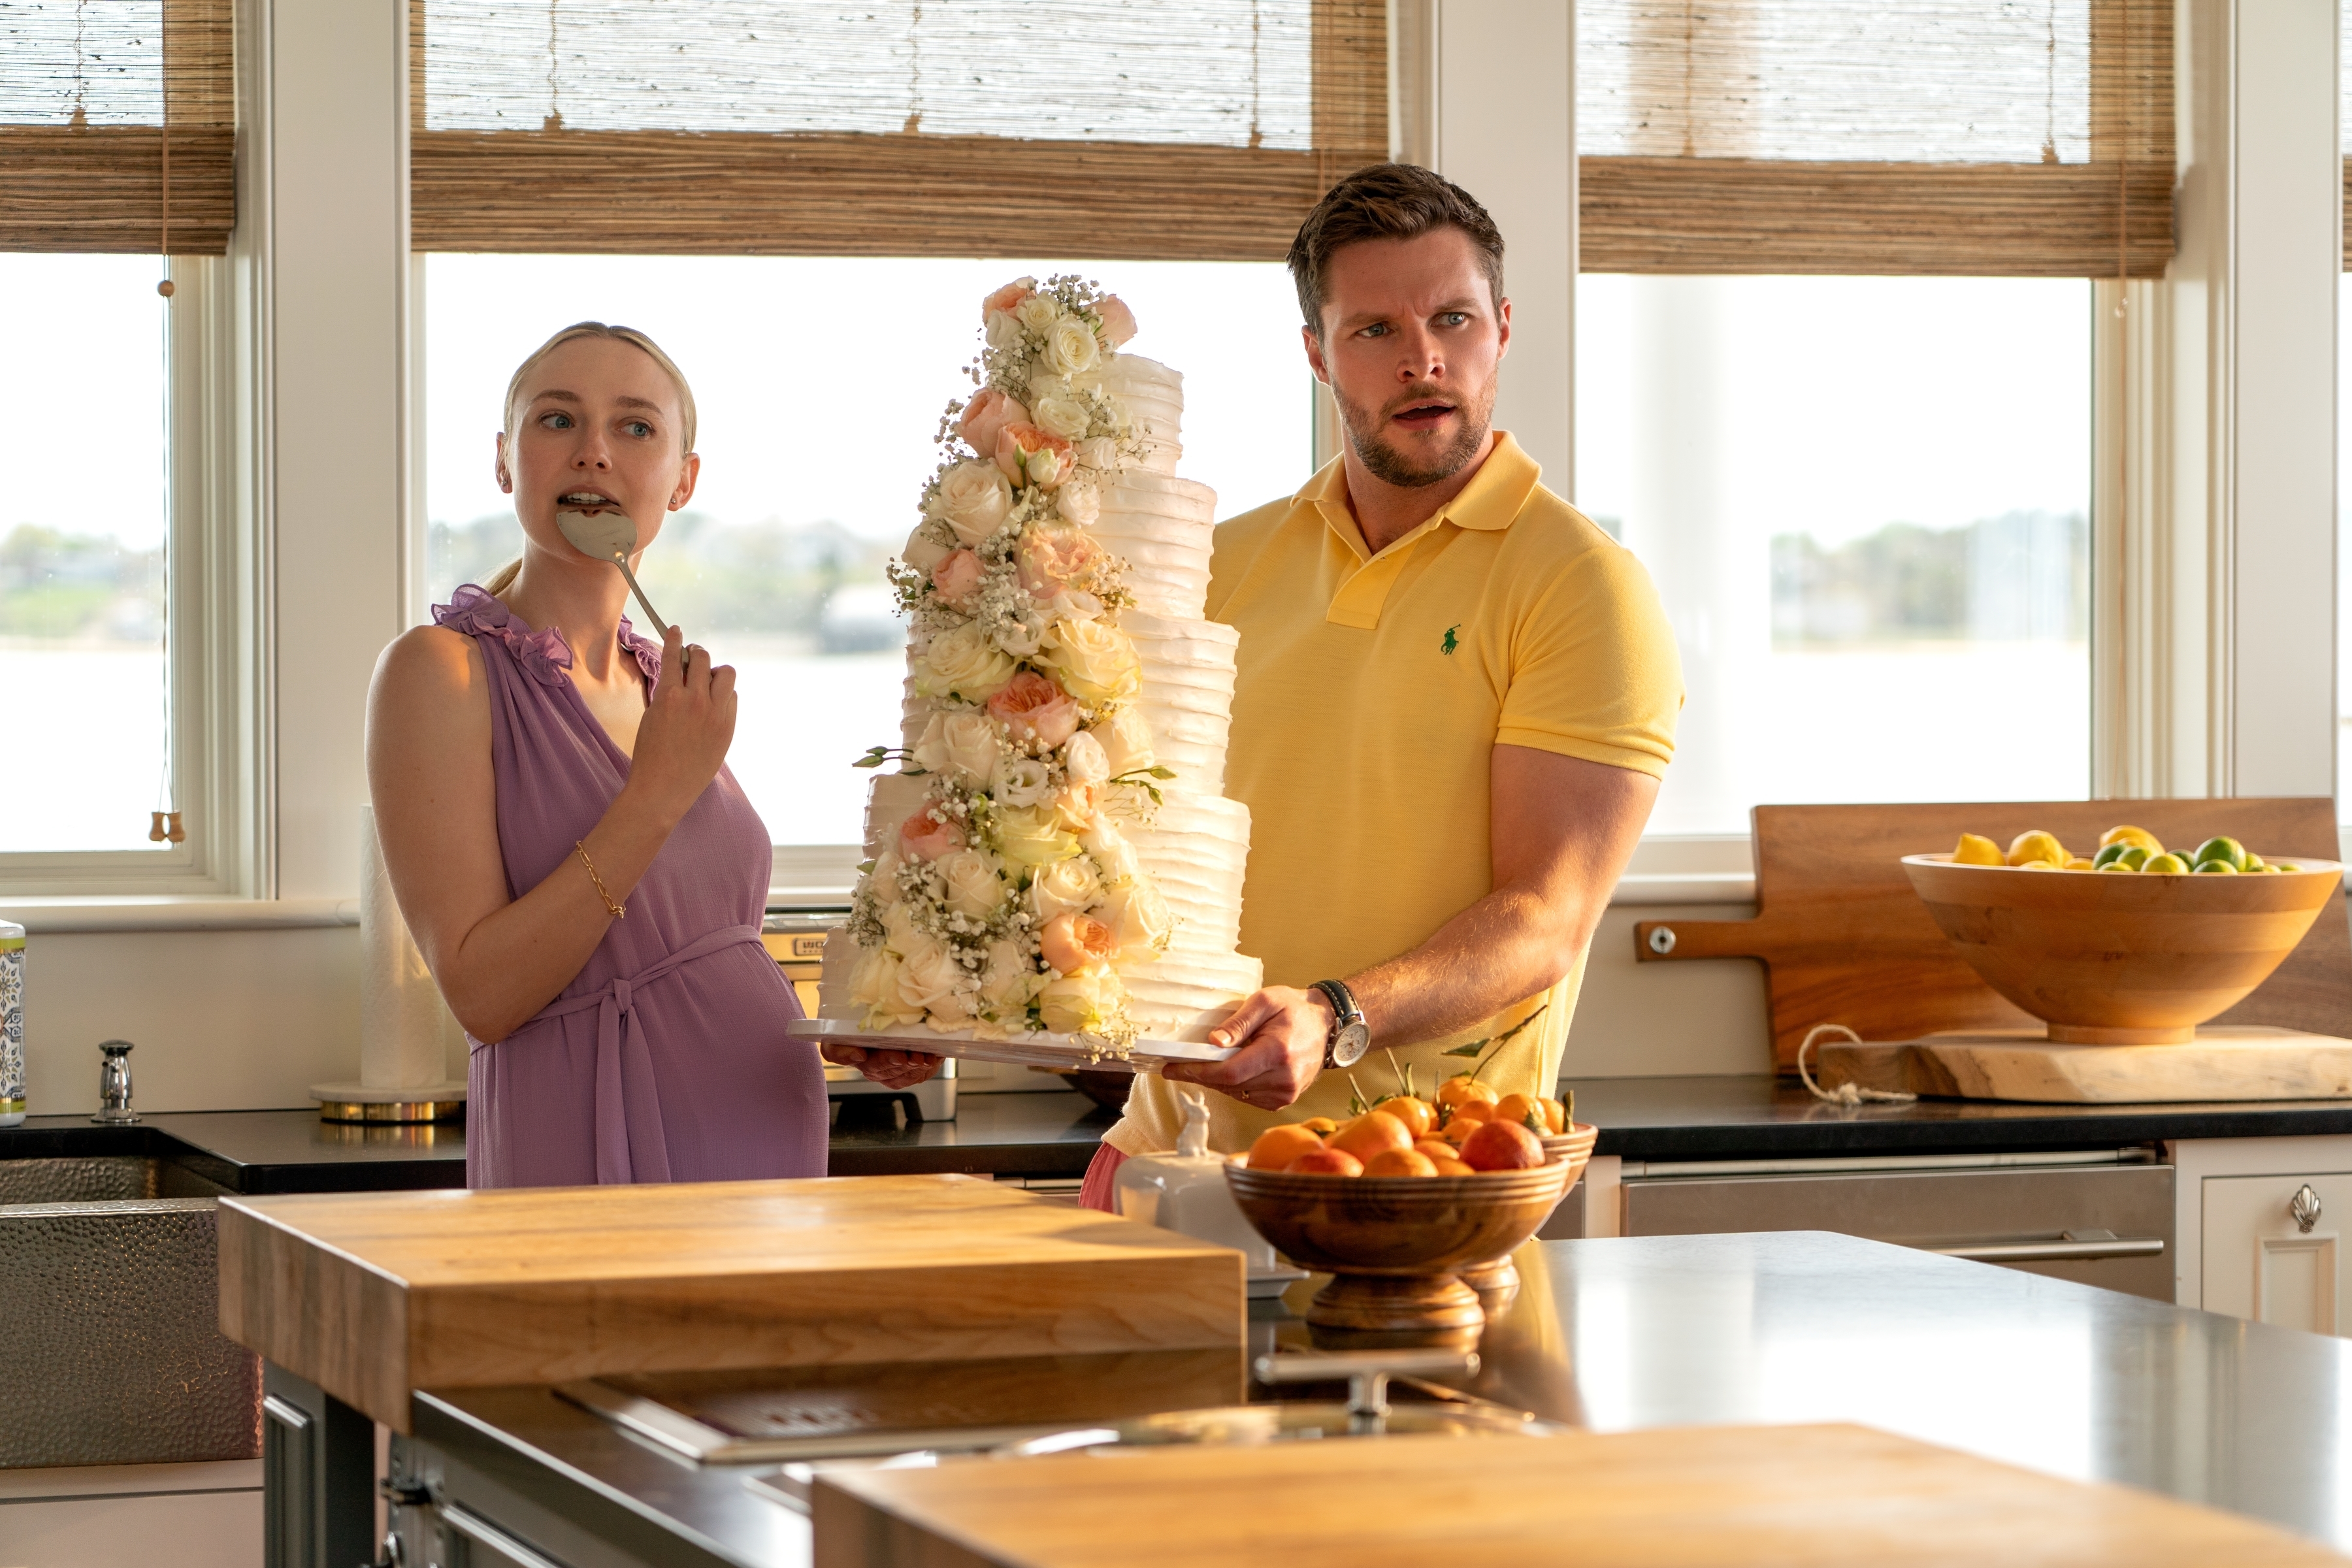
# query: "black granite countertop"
1626,1334
1758,1117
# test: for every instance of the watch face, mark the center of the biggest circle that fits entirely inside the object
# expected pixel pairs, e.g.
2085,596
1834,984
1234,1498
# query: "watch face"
1350,1048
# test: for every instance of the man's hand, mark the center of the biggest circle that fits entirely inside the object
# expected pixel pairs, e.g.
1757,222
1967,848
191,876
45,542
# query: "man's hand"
898,1069
1282,1033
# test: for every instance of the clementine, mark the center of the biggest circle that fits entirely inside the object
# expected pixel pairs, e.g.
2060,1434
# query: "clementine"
1369,1133
1399,1162
1450,1167
1321,1126
1278,1148
1327,1162
1517,1109
1459,1090
1436,1148
1502,1146
1555,1116
1418,1115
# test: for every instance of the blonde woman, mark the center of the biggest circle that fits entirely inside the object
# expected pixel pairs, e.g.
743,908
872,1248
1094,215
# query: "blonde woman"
582,872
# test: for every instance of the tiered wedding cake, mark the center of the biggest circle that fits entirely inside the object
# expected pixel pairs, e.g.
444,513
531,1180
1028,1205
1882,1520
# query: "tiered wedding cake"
1056,852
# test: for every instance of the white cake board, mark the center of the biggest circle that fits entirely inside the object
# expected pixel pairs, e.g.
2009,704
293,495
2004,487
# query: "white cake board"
1058,1051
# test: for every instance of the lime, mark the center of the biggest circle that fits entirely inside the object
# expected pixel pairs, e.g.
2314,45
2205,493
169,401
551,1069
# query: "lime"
2219,848
2164,865
2253,862
2273,870
2110,853
2223,866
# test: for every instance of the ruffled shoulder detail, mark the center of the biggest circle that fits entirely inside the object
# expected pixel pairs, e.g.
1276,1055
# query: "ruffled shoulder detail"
647,651
544,656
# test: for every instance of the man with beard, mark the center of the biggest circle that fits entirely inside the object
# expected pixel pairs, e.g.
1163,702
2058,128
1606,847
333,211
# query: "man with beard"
1456,697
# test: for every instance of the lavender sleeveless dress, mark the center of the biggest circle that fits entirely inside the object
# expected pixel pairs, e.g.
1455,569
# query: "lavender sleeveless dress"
665,1059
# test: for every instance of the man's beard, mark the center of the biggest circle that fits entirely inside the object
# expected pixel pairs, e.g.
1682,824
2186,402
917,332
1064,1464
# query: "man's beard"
1393,467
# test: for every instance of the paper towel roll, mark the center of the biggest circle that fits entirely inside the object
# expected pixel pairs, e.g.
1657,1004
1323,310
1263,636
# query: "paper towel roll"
407,1031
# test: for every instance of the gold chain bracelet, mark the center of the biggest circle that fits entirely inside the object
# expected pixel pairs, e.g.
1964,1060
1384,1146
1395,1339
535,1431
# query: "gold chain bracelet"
617,910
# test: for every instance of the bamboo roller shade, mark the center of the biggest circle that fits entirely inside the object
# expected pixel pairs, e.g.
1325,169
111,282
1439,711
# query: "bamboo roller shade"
87,90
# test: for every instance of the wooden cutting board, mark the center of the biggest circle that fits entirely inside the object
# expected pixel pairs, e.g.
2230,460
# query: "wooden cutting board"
1719,1497
2221,1063
372,1295
1844,940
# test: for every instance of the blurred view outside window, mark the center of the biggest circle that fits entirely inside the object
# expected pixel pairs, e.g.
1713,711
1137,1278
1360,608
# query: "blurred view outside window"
1866,503
83,524
819,383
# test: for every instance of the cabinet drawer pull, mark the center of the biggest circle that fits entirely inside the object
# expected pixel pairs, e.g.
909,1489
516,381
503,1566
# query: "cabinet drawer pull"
2055,1251
2303,1208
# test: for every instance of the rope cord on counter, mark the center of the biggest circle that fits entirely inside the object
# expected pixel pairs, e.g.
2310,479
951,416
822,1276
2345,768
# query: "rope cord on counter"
1847,1093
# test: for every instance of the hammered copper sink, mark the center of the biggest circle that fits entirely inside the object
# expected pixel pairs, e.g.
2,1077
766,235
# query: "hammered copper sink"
2122,959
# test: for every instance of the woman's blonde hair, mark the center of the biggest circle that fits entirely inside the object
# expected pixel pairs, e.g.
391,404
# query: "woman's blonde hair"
504,577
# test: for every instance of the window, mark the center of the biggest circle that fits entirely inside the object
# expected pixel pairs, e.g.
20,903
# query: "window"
818,384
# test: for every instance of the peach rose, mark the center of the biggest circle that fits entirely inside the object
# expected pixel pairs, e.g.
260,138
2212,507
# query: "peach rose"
1029,455
923,837
1076,943
957,576
1008,298
1117,321
1078,806
1051,559
1032,708
986,416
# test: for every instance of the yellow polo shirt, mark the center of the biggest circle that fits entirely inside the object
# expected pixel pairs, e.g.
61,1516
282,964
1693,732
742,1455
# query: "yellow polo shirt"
1372,691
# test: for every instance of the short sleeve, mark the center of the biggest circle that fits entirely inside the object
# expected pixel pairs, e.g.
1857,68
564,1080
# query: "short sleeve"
1593,669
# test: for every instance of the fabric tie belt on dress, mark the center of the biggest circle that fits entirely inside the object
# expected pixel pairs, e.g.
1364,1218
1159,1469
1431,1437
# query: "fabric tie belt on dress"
630,1144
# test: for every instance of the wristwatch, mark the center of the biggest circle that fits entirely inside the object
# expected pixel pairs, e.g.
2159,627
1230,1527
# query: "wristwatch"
1352,1036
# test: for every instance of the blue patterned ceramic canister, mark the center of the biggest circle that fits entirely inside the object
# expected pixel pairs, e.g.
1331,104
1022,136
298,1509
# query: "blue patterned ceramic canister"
12,1024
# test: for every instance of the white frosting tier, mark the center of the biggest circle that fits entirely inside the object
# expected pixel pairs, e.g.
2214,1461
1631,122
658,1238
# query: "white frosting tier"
1183,999
1187,696
1162,527
841,956
1196,849
914,712
1154,397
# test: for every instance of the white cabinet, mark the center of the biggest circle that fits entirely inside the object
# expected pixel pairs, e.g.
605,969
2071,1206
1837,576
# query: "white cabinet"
2261,1223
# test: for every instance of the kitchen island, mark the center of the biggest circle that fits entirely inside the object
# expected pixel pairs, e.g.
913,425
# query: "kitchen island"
1610,1335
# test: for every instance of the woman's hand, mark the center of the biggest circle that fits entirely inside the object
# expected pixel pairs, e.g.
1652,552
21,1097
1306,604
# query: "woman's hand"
1282,1033
899,1069
682,740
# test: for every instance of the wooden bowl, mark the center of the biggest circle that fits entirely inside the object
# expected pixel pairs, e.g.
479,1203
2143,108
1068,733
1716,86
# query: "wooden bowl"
2121,959
1391,1244
1496,1280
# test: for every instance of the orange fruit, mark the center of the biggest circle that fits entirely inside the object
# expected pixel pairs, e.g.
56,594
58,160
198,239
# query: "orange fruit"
1369,1133
1436,1148
1502,1146
1517,1108
1554,1115
1278,1148
1418,1115
1321,1126
1466,1121
1452,1168
1459,1091
1399,1162
1327,1162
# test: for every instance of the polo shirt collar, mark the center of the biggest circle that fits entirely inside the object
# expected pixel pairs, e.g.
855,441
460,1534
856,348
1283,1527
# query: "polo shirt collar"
1487,504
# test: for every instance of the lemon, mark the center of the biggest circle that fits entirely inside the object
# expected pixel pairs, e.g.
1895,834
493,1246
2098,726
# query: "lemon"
2036,844
2038,866
2079,863
2164,865
2139,836
1975,849
2227,850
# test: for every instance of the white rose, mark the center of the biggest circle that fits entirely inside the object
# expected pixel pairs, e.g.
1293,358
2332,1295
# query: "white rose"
1034,836
958,743
1020,781
928,980
953,1011
961,663
1070,346
1080,504
1038,312
1099,453
1125,743
1139,918
974,888
973,500
1074,605
1062,416
1085,760
1065,886
1097,663
1003,331
874,982
899,933
1023,635
1010,979
883,880
1114,857
1076,1003
924,552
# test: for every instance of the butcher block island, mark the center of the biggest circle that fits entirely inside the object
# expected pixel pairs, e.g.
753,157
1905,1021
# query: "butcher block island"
372,1295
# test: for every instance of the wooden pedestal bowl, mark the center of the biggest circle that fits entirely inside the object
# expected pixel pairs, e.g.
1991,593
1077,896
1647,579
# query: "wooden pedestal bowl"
1393,1243
2121,958
1496,1280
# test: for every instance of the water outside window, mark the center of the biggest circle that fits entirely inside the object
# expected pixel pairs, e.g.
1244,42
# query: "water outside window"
83,525
1866,503
819,383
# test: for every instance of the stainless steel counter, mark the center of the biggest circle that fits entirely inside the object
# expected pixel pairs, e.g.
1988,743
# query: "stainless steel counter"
1640,1332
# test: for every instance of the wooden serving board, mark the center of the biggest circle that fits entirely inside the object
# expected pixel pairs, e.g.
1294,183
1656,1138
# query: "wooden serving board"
2221,1063
1844,938
374,1295
1719,1497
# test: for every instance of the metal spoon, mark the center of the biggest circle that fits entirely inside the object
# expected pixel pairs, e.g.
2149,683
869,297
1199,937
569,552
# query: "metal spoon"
609,535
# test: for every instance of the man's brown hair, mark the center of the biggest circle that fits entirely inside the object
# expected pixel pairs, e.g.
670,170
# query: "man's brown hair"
1388,201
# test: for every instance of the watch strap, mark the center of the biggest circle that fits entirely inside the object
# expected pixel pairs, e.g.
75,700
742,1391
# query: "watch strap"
1344,1011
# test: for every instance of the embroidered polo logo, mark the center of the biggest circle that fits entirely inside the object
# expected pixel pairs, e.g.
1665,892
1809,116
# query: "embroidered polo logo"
1451,642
